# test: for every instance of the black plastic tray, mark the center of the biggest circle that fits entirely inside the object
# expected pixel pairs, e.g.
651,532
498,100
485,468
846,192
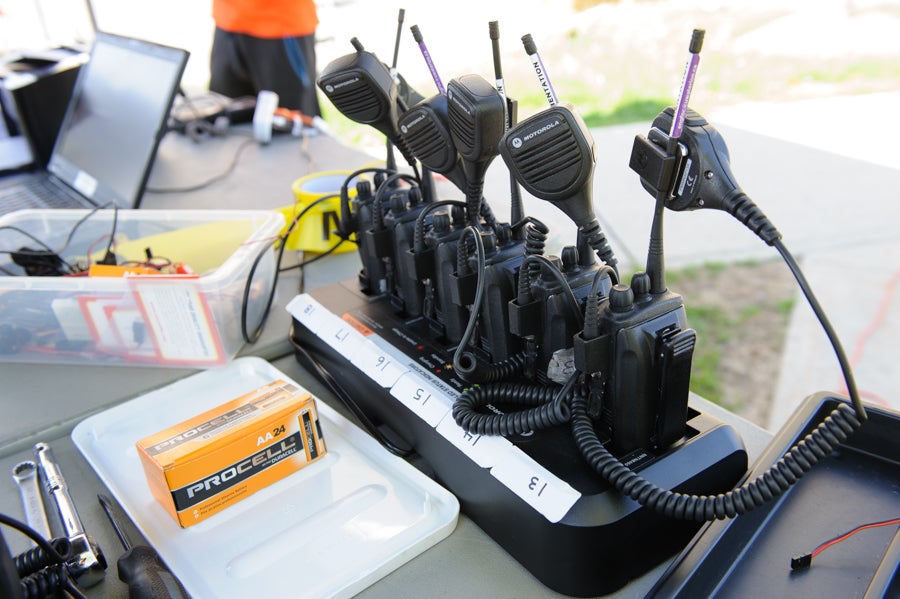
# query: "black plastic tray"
750,555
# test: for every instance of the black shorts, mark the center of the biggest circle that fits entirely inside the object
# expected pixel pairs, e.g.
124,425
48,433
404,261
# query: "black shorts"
243,65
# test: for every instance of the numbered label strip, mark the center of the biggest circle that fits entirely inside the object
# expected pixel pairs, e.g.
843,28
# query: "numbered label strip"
393,370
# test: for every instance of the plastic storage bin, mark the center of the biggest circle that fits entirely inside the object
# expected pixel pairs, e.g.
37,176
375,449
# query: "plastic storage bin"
191,319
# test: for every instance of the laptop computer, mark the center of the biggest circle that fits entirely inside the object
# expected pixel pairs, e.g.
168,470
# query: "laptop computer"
112,127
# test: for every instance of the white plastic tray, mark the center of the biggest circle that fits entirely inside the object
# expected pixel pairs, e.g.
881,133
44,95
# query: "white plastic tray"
329,530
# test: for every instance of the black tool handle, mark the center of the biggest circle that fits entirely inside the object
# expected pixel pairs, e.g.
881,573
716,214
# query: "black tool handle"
147,577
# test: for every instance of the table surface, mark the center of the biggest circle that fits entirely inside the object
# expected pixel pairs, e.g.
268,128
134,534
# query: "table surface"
46,401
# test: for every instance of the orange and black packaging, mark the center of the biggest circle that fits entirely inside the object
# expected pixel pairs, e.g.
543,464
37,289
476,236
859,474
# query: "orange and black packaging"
201,466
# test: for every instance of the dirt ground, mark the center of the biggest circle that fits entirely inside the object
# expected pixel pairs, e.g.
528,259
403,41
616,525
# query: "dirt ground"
751,303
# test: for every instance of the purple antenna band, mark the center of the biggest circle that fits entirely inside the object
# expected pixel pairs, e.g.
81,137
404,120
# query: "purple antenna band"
417,35
687,84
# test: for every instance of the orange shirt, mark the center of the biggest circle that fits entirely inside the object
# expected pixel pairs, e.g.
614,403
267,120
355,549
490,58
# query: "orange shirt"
266,18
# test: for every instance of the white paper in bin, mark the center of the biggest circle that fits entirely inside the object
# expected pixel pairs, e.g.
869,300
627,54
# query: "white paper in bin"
329,530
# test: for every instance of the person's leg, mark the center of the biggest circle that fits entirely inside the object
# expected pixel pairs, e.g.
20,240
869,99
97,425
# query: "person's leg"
227,68
309,99
286,67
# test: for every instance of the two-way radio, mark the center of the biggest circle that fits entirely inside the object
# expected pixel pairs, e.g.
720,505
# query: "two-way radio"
550,397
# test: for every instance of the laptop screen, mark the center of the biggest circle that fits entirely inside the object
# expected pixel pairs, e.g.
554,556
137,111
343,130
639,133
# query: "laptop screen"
117,115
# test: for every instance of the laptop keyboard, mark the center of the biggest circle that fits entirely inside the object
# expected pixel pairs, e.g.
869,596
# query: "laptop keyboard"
34,192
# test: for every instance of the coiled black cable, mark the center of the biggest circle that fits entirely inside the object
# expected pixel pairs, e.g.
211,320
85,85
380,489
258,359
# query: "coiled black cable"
474,372
597,240
535,241
799,460
535,236
37,558
544,408
46,583
39,582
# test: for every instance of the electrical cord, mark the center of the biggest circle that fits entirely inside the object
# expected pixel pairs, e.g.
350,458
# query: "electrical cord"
25,233
346,398
54,577
377,204
215,178
545,407
37,558
32,534
598,277
802,561
466,365
245,300
572,302
84,219
797,461
419,231
535,234
34,261
346,228
846,370
58,253
389,181
315,258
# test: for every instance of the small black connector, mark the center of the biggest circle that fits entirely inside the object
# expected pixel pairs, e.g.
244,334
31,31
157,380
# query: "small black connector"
39,263
591,355
525,319
801,562
109,259
462,288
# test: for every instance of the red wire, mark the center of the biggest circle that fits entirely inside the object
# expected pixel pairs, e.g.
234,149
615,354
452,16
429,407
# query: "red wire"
849,534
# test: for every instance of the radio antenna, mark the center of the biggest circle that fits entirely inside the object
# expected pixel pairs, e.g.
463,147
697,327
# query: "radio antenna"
656,266
539,69
400,16
516,209
687,84
417,35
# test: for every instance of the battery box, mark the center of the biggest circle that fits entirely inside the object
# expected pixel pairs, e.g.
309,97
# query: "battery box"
201,466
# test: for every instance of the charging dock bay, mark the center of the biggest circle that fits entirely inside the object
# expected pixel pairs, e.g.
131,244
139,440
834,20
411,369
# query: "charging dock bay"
533,494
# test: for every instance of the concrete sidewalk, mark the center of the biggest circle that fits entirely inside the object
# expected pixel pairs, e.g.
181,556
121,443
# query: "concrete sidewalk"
847,242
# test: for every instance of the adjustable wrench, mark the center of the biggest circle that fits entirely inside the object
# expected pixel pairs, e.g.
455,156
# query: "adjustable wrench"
87,566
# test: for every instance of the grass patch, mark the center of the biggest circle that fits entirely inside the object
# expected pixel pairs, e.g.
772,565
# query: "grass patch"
723,322
712,325
630,111
784,306
872,69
